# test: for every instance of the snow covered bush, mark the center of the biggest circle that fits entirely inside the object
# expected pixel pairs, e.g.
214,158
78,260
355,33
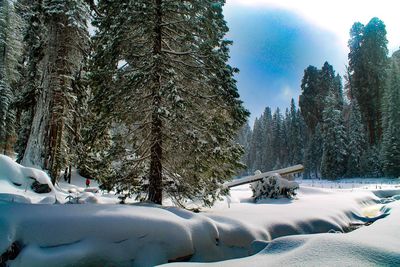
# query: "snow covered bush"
274,187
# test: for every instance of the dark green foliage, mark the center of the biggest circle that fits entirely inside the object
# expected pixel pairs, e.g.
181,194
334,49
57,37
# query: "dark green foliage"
367,72
165,64
276,141
391,120
10,51
316,85
334,153
356,141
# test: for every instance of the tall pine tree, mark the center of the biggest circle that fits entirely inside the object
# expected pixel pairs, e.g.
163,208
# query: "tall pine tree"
160,71
391,120
333,140
51,139
367,72
356,141
10,51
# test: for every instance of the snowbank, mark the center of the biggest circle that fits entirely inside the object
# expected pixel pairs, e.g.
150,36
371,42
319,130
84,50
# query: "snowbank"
146,235
374,245
17,182
126,235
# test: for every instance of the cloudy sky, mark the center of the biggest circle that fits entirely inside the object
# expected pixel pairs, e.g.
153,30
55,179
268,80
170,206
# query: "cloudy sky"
275,40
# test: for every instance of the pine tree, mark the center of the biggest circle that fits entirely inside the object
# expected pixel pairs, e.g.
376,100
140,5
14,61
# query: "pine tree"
50,144
277,139
165,64
244,139
268,157
295,135
356,141
391,120
316,86
313,154
333,140
309,100
32,14
367,69
10,51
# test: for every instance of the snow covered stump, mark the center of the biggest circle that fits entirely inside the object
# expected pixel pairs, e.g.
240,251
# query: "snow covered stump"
273,186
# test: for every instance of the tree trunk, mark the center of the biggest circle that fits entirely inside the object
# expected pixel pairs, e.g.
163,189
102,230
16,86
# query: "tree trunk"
155,178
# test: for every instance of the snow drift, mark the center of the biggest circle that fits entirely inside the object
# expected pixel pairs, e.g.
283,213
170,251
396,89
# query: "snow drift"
146,235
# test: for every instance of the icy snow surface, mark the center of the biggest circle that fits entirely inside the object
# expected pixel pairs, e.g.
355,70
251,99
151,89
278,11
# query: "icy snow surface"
273,231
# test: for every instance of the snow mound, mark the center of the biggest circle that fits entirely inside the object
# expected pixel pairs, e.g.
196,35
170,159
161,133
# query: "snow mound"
274,187
374,245
27,184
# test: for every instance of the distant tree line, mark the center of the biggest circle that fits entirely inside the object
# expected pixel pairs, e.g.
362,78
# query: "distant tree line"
355,133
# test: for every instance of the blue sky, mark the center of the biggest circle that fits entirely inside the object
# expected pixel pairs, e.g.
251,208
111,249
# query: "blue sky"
274,41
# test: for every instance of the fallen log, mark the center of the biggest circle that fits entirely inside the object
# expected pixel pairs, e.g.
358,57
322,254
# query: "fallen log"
252,178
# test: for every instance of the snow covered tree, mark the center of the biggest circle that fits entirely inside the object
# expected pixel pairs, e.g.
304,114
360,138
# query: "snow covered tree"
277,139
295,135
10,51
356,141
310,99
32,15
160,71
244,139
313,154
316,85
391,120
333,140
367,72
50,144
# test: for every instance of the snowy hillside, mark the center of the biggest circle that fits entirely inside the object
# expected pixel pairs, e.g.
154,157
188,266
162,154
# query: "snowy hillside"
147,235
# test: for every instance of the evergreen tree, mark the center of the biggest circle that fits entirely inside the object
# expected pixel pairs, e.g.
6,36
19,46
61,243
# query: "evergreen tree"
367,69
391,120
268,157
165,64
310,99
356,141
333,140
316,86
244,139
10,51
277,139
50,144
32,14
313,154
295,136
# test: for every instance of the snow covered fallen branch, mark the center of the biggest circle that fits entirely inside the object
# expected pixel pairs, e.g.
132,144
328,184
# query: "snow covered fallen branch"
274,186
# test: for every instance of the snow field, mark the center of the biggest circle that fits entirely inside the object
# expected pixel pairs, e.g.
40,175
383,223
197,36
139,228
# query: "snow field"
51,234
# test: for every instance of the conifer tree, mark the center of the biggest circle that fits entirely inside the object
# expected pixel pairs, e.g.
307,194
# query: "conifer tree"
165,64
316,85
51,138
367,72
333,140
391,120
244,139
356,141
10,51
32,15
295,135
313,154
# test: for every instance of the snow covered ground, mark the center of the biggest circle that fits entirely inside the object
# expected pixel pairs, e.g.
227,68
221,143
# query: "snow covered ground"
306,231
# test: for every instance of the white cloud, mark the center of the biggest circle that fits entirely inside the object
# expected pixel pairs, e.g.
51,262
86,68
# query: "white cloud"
338,16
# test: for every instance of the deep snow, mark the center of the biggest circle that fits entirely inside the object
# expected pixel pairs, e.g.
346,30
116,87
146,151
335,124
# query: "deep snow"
146,235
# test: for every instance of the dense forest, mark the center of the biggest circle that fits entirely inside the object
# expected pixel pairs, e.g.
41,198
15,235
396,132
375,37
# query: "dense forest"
339,130
147,104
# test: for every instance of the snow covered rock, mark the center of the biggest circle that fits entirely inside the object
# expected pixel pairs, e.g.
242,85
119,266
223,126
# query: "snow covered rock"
274,187
16,179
